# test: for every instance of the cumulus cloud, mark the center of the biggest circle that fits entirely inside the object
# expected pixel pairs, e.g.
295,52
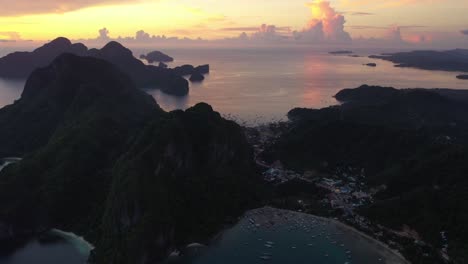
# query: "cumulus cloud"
104,34
267,32
26,7
325,25
142,36
264,32
394,34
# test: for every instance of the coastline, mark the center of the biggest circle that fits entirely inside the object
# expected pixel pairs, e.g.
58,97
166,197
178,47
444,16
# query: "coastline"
83,246
367,237
355,231
388,252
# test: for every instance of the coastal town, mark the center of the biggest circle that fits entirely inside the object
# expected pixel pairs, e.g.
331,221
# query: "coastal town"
346,191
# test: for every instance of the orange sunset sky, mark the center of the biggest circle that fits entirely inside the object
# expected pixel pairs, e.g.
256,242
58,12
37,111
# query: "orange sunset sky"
415,20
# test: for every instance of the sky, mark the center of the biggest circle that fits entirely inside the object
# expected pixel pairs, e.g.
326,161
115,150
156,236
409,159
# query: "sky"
422,22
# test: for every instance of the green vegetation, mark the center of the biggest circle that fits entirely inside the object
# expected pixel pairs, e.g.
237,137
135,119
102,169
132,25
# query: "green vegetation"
136,181
412,141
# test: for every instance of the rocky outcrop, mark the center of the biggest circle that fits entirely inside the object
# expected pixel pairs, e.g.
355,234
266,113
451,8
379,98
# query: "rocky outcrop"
203,69
195,73
157,56
184,70
197,77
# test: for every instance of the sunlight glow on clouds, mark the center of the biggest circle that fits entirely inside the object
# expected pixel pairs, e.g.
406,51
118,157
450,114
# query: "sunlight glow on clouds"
27,7
319,21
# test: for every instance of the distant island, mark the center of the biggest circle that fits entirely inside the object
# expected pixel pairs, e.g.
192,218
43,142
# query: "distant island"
371,64
450,60
22,64
462,77
156,56
341,52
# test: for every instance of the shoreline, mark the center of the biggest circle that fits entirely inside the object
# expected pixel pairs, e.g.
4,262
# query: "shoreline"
366,236
354,230
389,252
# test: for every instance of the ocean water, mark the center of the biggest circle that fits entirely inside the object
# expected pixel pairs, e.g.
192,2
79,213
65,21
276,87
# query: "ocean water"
262,85
269,235
57,252
60,248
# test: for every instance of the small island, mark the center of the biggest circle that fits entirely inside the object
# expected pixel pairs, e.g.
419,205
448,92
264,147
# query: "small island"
340,52
449,60
371,64
156,56
463,77
197,77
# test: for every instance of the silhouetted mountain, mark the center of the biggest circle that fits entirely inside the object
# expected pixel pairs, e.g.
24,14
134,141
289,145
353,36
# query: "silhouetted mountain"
341,52
21,64
176,185
185,70
414,141
54,93
106,162
450,60
203,69
197,77
143,75
462,77
157,56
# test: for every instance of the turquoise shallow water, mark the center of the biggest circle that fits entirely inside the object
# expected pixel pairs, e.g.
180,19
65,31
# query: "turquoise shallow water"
270,235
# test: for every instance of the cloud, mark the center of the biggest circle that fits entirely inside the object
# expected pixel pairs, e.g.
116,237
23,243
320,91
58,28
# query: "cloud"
263,33
385,3
10,36
464,32
104,34
142,36
255,29
394,34
266,32
362,14
27,7
325,25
